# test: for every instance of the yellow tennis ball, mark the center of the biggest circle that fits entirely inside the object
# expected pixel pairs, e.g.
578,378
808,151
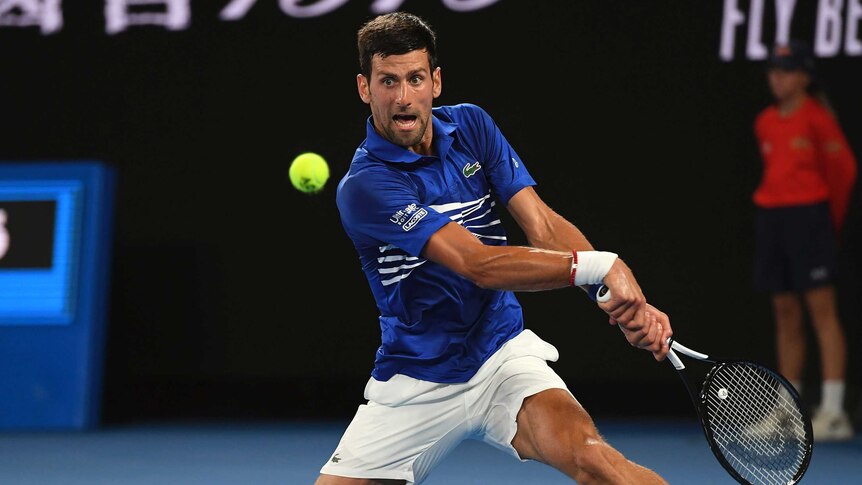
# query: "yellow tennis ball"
309,172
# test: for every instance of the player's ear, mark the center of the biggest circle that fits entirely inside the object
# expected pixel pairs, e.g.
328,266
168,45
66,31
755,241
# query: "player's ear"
362,87
438,82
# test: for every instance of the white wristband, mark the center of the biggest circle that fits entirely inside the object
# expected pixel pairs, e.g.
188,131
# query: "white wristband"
592,266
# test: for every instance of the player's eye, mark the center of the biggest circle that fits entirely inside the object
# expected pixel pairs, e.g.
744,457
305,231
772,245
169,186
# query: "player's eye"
388,81
416,80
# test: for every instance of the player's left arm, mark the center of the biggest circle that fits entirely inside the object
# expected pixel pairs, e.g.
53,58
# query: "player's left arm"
546,229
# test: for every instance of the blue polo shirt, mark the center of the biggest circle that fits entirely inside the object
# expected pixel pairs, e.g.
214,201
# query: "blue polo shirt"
435,324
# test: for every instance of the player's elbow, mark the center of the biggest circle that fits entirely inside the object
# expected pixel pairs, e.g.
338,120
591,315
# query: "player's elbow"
484,280
543,240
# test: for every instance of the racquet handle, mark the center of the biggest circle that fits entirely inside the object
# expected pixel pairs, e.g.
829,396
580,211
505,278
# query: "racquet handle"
600,293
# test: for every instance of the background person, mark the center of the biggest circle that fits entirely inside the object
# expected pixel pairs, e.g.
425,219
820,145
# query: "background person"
801,203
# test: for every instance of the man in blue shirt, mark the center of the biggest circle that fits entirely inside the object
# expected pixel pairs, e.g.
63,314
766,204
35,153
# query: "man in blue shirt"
420,203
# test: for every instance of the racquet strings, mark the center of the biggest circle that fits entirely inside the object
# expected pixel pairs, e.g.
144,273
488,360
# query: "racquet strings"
755,423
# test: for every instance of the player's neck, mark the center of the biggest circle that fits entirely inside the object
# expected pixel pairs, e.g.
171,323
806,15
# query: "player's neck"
789,105
426,146
424,149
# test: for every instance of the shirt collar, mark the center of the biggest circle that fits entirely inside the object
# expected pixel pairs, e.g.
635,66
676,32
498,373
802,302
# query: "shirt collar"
385,150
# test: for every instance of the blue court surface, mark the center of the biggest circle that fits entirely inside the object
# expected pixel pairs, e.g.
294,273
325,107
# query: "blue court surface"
289,453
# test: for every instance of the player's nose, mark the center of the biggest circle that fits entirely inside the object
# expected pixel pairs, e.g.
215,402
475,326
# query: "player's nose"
403,98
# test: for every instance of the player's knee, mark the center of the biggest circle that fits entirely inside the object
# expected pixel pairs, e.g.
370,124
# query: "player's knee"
585,454
590,461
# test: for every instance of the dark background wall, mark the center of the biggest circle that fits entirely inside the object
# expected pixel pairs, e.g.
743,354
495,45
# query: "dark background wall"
235,296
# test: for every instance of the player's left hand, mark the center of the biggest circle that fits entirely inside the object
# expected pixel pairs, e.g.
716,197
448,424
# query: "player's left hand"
627,300
649,330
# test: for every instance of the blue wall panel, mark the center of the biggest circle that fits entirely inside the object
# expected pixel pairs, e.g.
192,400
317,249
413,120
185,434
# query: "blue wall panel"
53,292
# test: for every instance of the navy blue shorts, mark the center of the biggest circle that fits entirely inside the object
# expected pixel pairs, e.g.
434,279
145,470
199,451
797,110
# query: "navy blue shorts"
794,248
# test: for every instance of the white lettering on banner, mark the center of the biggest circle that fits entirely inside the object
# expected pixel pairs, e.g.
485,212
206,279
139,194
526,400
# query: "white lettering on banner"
176,14
783,18
828,37
733,17
852,43
468,5
386,6
46,14
316,9
237,9
834,27
755,48
120,14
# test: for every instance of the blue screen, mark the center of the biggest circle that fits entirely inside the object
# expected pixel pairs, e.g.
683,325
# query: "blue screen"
40,251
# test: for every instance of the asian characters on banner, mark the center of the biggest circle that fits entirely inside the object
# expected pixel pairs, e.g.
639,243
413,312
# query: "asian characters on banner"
45,14
176,14
837,24
121,14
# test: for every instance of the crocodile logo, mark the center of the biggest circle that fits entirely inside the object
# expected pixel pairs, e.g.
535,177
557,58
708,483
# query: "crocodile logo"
469,170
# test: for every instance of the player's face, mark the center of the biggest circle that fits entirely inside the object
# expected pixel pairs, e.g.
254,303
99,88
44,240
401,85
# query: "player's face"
401,92
786,85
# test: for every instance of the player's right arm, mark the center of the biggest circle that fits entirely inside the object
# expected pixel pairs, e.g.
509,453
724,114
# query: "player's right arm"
520,268
514,268
530,269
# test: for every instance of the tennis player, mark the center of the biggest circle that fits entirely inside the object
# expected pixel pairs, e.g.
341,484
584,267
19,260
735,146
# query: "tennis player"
420,203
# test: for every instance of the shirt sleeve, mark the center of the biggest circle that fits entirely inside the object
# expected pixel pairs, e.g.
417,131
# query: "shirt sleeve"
505,171
383,204
838,164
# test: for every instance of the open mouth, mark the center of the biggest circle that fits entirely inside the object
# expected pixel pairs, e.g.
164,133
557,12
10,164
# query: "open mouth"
405,121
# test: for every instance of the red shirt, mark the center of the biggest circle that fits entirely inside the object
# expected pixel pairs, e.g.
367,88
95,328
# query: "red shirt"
805,160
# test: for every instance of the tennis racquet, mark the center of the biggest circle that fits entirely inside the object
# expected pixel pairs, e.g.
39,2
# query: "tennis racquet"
750,414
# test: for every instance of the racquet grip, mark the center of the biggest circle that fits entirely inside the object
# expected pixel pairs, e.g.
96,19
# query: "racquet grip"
599,293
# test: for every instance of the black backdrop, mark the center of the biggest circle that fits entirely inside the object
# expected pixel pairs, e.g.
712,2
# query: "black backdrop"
235,296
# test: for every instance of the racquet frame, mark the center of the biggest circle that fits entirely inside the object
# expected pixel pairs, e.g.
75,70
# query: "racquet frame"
699,399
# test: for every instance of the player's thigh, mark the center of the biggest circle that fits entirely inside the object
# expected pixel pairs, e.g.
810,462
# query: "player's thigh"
333,480
552,426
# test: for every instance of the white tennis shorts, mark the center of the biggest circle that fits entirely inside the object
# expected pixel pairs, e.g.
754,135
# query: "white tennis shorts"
408,425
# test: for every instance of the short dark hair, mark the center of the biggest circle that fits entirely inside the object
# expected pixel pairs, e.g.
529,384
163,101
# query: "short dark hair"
394,33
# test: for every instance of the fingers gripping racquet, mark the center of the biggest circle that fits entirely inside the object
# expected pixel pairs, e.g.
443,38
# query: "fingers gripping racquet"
750,414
